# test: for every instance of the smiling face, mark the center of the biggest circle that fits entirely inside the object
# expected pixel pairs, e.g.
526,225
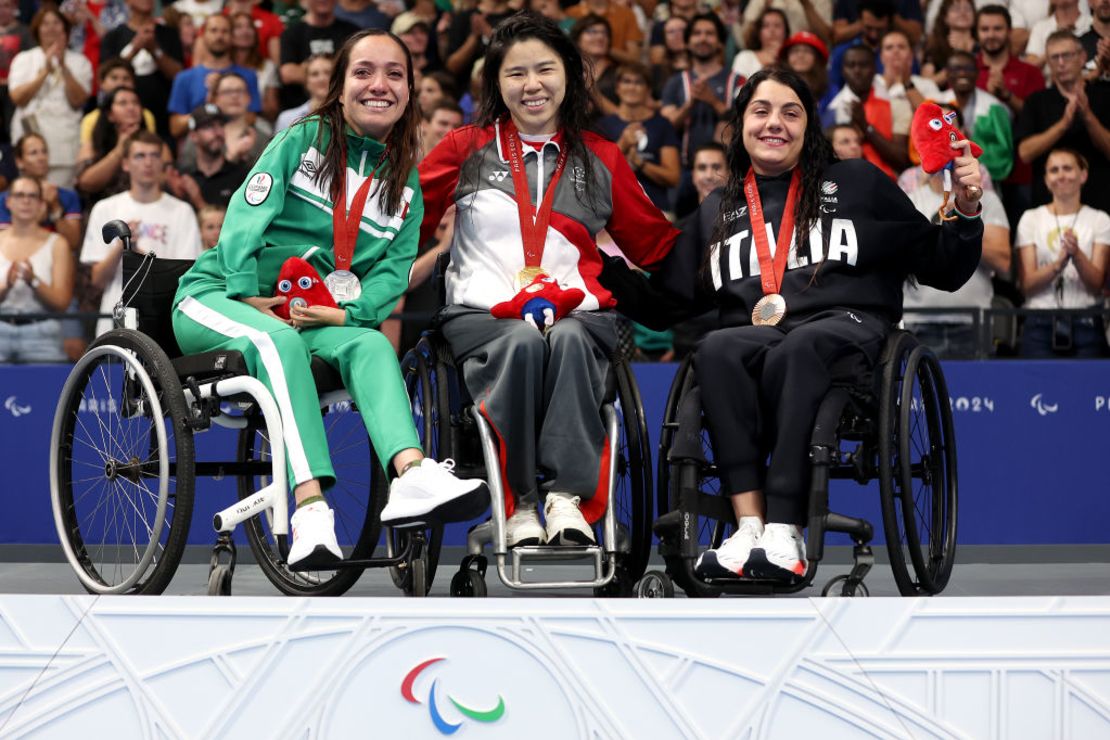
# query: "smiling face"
243,34
704,44
632,89
801,58
1063,175
533,83
376,86
594,41
317,77
774,128
992,32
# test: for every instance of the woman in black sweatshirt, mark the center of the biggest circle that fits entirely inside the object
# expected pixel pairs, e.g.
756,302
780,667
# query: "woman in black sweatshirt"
846,239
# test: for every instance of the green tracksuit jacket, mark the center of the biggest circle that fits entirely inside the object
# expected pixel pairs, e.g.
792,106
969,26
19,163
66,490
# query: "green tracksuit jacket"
281,212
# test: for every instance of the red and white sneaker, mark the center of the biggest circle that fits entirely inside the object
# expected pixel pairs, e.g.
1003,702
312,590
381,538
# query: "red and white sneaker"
779,555
728,560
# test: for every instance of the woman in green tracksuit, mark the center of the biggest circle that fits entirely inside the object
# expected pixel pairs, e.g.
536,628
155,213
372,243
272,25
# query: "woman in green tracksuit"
366,133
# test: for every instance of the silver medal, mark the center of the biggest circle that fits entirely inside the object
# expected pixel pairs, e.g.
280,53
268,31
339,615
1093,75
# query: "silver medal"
343,285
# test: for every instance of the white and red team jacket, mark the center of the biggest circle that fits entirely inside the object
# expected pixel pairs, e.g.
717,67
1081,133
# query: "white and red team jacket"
469,169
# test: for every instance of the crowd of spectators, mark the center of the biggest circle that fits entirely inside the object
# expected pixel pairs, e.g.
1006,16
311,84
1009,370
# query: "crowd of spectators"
155,112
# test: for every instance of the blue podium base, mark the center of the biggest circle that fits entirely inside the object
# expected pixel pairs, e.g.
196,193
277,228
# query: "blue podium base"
80,666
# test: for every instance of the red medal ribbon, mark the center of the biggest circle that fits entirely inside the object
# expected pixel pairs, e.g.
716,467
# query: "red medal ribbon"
533,230
771,270
346,225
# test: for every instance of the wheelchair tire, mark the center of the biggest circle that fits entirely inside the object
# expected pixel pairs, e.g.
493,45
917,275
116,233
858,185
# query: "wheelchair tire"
468,584
655,585
422,383
711,531
219,581
357,498
122,466
633,495
917,469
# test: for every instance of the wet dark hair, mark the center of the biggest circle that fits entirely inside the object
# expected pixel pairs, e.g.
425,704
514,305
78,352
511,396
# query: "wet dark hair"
576,111
816,155
403,142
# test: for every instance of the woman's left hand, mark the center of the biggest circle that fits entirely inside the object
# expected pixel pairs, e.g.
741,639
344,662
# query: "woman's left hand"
968,181
307,317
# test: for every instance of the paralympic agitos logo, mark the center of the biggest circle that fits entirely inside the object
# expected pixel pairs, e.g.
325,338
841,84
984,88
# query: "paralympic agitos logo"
445,727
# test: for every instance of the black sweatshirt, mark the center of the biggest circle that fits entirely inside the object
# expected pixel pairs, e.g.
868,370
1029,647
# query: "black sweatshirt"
876,239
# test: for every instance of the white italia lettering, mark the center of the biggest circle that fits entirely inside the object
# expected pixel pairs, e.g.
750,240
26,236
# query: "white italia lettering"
715,265
734,243
816,248
842,244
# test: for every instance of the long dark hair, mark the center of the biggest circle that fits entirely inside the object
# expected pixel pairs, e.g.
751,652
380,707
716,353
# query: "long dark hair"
104,133
817,154
575,113
403,142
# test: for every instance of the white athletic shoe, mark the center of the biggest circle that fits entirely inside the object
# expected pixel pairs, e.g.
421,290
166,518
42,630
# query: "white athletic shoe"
524,528
780,554
730,559
314,544
565,523
430,492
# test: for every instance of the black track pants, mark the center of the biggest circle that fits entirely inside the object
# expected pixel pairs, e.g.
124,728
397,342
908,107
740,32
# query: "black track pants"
761,387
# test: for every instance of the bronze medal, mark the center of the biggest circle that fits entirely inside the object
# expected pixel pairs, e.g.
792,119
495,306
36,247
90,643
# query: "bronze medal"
769,310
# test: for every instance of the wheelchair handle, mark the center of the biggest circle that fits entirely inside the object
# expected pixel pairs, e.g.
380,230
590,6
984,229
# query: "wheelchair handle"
117,229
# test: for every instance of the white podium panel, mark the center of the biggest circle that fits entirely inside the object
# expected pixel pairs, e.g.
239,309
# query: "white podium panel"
195,667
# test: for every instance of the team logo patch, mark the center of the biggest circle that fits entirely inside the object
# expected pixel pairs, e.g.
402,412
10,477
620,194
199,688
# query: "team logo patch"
258,188
498,176
308,167
828,187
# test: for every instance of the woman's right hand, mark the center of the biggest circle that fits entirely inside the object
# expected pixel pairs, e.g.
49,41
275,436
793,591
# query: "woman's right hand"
266,305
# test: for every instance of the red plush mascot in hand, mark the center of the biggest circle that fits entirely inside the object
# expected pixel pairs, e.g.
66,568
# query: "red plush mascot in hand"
541,303
933,132
300,285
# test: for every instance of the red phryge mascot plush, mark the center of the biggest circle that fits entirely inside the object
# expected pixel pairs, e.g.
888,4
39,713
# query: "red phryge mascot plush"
933,132
300,285
541,303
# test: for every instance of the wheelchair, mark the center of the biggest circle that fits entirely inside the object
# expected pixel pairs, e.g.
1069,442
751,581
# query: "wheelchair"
898,429
451,427
123,463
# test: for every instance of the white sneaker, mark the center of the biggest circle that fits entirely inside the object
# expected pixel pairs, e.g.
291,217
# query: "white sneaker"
780,554
728,560
524,528
565,523
431,492
314,544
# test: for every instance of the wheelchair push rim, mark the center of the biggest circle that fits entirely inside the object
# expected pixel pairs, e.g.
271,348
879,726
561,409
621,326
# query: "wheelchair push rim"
918,474
121,488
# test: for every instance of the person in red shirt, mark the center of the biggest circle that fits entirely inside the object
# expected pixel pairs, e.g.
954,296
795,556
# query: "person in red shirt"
1010,80
1001,73
268,25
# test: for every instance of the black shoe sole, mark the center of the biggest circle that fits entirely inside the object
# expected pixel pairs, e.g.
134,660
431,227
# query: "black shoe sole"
758,566
468,506
320,558
526,542
571,538
711,568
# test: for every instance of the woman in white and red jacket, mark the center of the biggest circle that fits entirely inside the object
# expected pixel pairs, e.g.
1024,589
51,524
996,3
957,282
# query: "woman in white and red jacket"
532,188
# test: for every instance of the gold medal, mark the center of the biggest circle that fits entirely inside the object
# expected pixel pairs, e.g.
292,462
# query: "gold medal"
769,310
528,274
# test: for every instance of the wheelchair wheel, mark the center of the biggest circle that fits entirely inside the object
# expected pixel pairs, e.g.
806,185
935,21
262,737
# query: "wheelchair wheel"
917,469
122,466
711,532
633,494
357,498
423,384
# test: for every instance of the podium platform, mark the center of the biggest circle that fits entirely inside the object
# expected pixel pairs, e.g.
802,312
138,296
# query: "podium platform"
261,667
